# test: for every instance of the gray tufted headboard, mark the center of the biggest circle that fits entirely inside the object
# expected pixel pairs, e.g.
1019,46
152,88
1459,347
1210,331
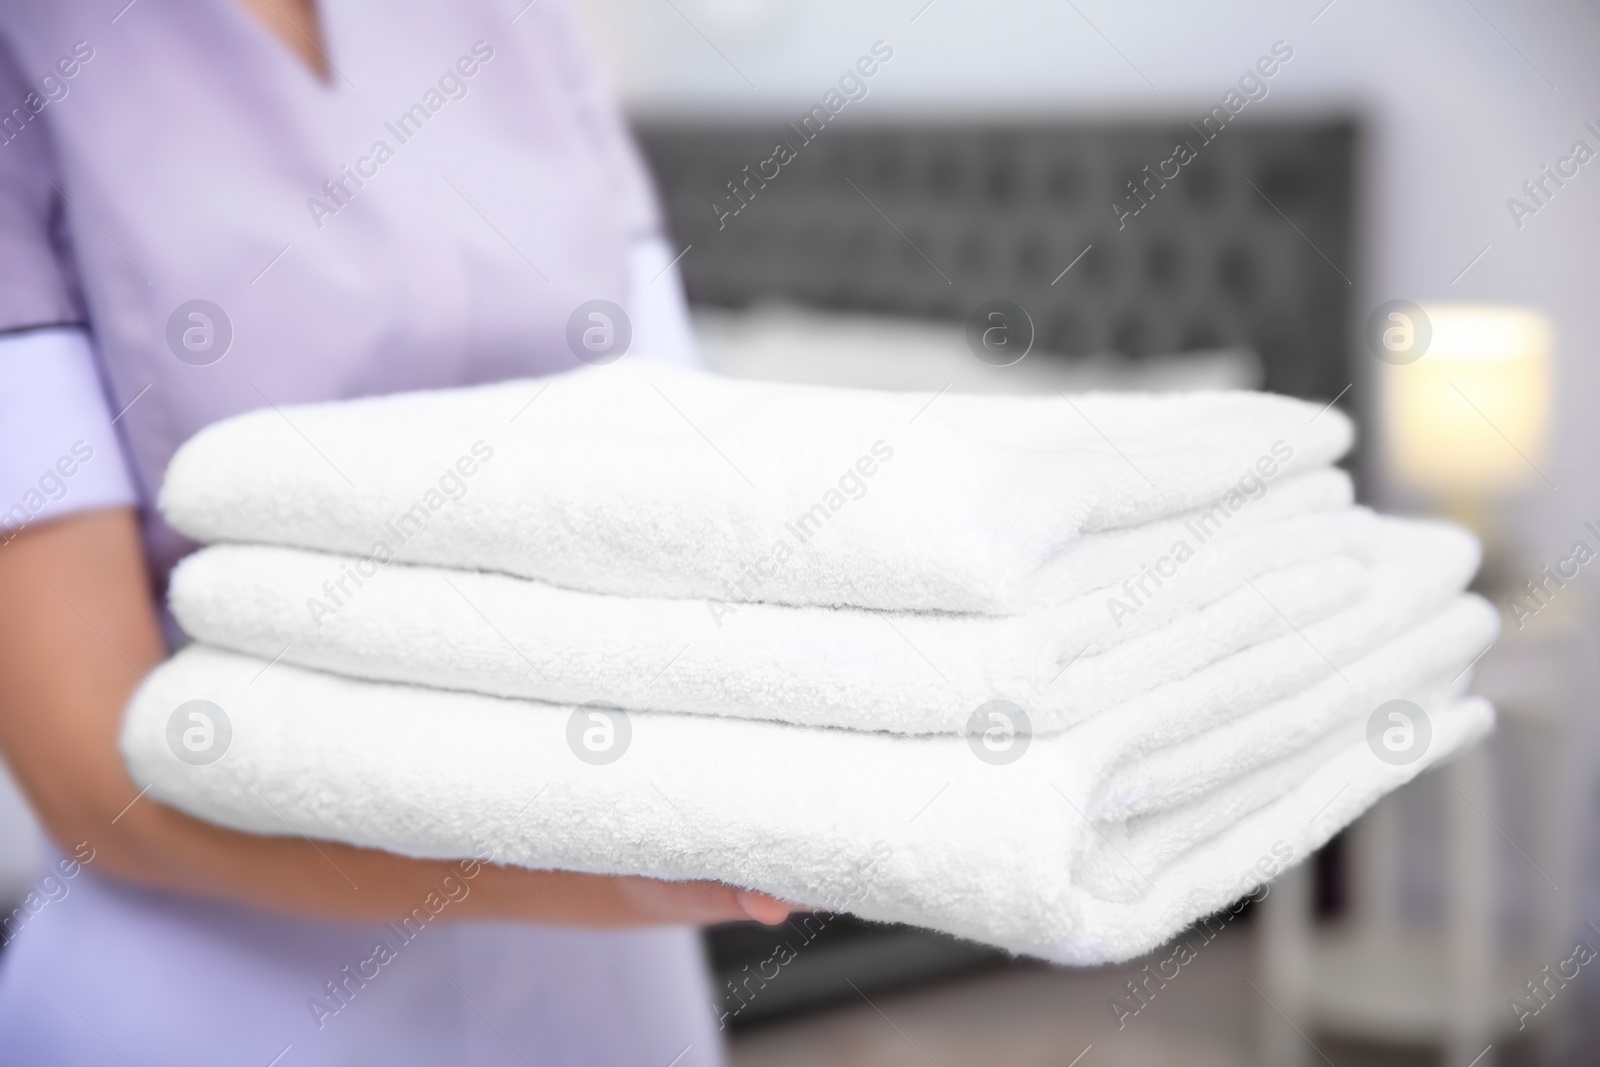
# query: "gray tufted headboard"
1252,243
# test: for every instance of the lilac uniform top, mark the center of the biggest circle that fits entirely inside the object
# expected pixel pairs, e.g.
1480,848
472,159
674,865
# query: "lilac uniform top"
171,151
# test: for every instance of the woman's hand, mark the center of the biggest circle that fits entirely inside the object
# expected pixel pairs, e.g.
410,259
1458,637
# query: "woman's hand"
78,632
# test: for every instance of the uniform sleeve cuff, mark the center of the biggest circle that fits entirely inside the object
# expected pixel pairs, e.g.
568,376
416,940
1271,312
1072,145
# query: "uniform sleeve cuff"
59,449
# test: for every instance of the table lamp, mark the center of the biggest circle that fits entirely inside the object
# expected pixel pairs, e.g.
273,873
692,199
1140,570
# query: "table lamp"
1466,420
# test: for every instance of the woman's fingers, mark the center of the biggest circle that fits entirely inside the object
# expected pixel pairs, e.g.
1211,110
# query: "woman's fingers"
702,902
762,908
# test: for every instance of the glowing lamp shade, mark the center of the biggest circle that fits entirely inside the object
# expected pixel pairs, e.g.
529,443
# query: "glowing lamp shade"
1468,418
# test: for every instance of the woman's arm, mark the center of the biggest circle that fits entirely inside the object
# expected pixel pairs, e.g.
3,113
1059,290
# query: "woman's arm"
78,631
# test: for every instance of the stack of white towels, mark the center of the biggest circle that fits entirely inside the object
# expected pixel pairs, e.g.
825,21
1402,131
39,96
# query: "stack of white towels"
1060,675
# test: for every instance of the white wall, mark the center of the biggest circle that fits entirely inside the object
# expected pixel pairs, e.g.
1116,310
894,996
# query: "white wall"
1459,119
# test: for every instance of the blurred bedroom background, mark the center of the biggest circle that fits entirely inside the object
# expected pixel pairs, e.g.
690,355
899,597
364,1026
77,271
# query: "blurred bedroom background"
1348,162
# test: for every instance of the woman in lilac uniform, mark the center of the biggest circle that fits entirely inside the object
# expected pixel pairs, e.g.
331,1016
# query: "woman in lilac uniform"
210,206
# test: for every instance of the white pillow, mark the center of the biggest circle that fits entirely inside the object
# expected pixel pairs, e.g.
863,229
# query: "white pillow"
787,343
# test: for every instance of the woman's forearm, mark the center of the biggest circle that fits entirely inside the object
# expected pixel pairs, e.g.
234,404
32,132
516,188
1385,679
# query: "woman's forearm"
78,632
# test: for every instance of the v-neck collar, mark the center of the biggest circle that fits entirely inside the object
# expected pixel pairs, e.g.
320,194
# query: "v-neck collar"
267,40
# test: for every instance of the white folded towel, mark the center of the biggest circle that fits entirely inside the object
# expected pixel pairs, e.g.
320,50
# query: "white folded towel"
1362,580
1153,757
642,480
909,829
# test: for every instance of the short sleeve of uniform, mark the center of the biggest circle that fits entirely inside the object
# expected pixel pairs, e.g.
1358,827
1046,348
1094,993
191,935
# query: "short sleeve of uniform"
59,449
37,284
